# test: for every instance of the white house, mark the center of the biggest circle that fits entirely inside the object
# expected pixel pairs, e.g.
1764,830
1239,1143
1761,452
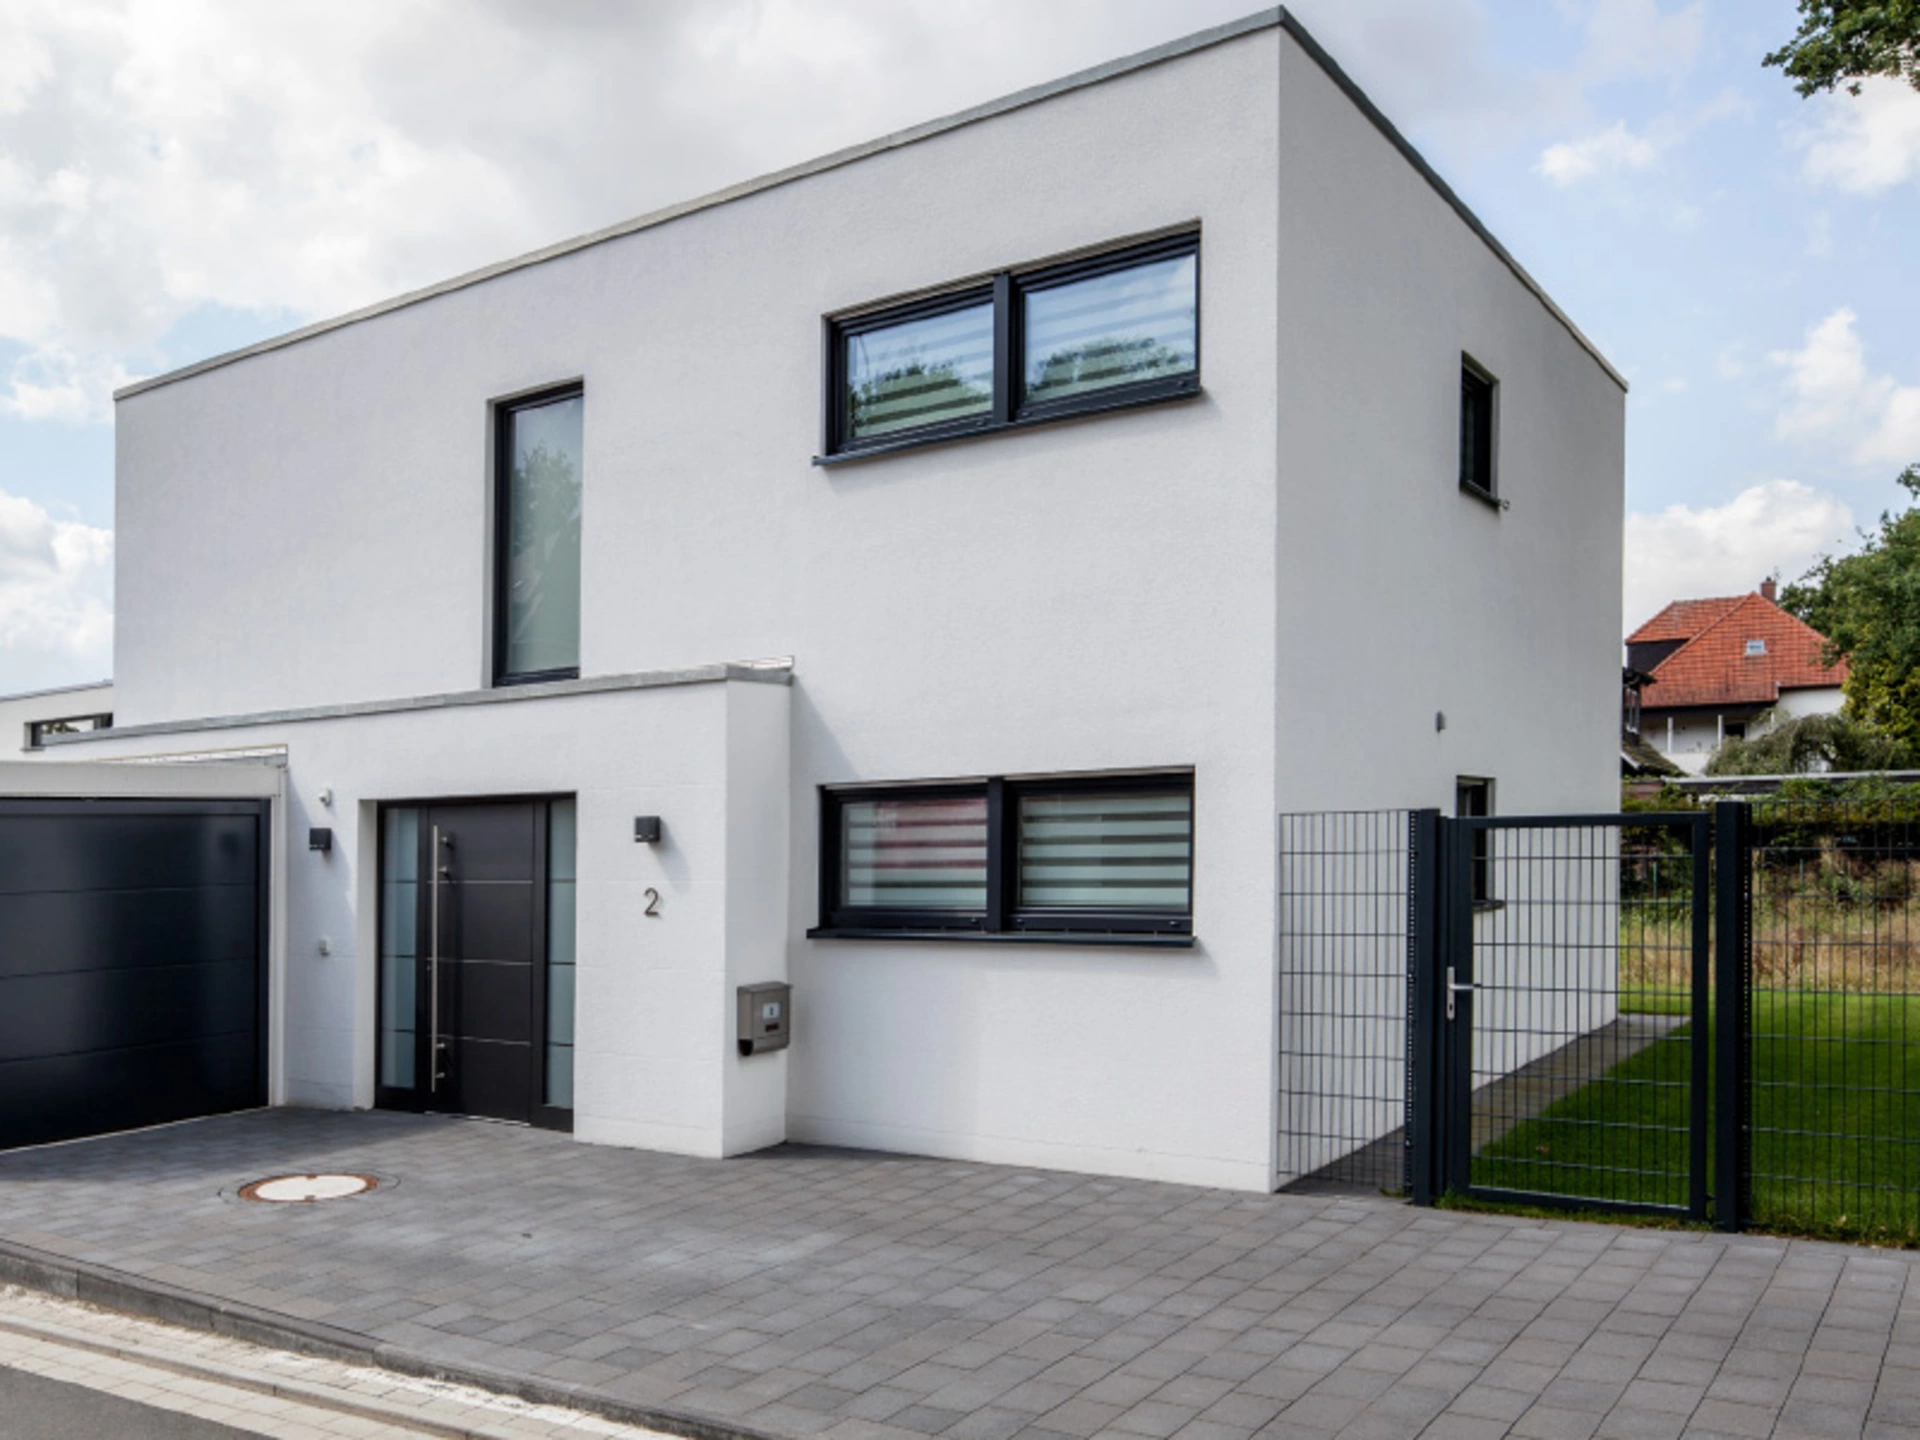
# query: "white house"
1725,667
961,547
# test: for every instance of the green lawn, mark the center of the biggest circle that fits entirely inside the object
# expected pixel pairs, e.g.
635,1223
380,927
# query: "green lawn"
1836,1116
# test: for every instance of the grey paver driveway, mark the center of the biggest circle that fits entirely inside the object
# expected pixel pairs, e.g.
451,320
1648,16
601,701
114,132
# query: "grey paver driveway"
865,1296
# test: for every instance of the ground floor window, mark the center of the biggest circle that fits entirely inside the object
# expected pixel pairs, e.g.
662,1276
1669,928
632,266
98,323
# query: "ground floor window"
1048,857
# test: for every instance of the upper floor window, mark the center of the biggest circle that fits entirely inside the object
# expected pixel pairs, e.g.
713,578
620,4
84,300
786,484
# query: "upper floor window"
536,566
1477,389
1104,331
39,730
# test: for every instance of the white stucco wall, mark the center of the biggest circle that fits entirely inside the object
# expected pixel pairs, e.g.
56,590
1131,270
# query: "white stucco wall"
655,1061
1182,586
17,712
1400,598
1695,734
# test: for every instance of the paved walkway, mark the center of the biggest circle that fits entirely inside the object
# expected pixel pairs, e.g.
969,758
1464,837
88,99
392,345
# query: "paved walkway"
74,1372
869,1297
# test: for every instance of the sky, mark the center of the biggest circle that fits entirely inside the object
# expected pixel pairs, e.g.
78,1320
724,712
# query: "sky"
184,178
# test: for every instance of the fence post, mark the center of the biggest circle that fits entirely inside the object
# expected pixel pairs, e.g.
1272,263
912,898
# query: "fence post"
1732,961
1425,1091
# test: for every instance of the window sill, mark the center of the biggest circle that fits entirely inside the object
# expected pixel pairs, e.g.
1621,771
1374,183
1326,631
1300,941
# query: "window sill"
1147,938
1485,497
1181,390
536,677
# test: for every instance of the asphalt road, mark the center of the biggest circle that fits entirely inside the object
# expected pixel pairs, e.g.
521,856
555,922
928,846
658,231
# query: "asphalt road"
33,1407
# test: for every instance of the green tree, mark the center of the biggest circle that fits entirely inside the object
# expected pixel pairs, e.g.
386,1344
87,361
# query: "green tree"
1868,606
1809,745
1849,40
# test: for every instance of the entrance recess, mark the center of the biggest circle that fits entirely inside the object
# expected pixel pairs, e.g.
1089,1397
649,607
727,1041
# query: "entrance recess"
476,959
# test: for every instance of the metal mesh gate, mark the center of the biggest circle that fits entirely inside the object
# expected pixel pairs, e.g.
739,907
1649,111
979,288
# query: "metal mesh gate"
1344,928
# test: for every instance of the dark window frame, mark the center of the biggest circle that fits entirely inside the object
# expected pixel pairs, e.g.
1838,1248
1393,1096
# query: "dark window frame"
1479,407
1002,918
503,413
1009,410
39,730
1480,860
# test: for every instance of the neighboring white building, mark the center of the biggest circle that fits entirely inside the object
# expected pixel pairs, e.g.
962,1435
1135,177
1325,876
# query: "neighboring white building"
28,720
1726,667
1111,467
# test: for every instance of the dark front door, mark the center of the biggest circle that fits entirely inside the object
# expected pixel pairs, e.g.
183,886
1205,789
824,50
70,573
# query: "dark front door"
476,895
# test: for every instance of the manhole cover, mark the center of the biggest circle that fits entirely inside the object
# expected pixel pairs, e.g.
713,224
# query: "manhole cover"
304,1189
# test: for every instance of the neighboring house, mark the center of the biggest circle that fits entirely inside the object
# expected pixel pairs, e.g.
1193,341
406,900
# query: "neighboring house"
1713,668
30,719
1113,467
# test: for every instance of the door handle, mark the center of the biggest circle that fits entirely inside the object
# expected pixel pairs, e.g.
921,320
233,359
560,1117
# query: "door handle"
435,1044
1456,987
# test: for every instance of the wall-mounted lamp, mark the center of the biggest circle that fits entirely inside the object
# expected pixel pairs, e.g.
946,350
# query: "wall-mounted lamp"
320,838
646,829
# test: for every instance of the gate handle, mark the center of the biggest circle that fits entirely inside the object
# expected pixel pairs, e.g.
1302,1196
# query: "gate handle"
1454,987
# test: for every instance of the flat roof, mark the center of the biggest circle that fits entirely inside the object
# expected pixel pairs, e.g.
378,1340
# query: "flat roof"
1278,17
56,690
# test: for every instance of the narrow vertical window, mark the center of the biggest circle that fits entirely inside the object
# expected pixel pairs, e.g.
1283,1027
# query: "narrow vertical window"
1476,430
537,544
561,876
399,945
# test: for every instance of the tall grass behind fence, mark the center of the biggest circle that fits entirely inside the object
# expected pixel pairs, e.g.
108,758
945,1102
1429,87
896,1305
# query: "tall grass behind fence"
1834,1032
1343,892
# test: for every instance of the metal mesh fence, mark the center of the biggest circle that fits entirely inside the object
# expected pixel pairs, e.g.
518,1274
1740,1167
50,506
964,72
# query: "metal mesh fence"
1343,919
1588,1082
1834,1018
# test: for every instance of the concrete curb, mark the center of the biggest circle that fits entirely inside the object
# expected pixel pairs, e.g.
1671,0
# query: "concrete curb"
110,1289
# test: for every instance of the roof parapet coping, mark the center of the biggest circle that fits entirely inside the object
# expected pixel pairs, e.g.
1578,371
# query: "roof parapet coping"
773,671
1278,16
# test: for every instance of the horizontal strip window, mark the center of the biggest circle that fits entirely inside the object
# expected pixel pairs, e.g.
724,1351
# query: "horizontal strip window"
38,731
1071,857
1099,333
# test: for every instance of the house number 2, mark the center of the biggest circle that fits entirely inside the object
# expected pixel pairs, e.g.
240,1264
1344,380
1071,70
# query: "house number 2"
653,901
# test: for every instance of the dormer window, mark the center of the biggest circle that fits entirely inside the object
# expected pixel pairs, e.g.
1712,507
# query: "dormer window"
1756,647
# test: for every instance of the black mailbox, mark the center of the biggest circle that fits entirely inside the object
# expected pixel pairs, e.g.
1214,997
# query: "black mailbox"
765,1019
319,837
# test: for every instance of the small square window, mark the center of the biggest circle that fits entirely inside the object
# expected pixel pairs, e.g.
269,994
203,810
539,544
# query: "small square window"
1473,799
1476,430
1756,647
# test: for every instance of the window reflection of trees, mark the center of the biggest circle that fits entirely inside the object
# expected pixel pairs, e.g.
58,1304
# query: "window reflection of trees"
913,394
1118,360
544,565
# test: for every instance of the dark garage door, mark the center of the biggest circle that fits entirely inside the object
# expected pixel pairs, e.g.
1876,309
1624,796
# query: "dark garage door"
132,963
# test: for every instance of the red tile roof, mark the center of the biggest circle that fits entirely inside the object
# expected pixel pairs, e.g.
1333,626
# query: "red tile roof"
1713,666
1684,619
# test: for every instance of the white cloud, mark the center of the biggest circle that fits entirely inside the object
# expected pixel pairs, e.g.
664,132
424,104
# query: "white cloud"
1681,553
1636,38
1615,148
308,156
1864,143
56,597
1834,399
